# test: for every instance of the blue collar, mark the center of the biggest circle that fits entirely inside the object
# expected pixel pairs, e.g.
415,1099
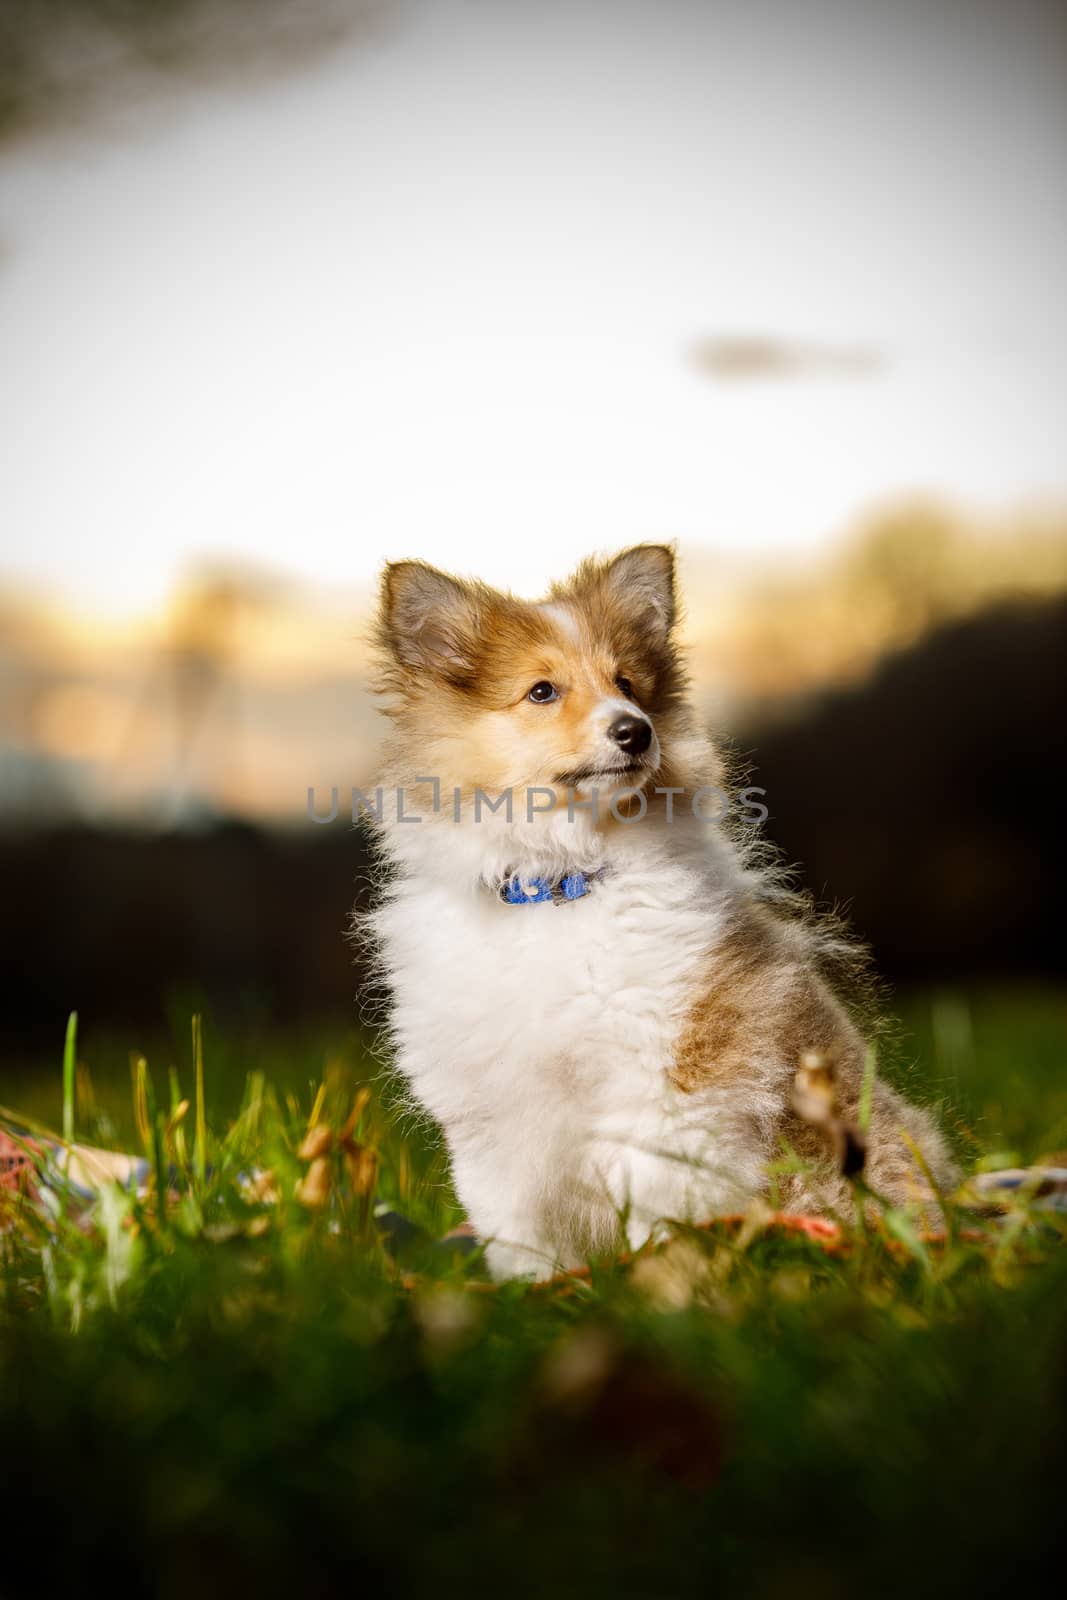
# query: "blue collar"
573,885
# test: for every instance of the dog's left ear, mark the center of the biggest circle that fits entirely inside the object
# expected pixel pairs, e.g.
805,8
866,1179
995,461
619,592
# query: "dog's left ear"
643,579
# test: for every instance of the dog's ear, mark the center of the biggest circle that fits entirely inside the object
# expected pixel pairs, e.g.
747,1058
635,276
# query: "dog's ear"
642,578
427,620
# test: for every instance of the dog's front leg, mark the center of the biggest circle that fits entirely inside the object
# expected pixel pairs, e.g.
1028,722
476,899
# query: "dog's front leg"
508,1258
517,1246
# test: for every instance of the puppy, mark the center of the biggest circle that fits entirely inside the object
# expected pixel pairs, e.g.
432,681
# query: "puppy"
596,991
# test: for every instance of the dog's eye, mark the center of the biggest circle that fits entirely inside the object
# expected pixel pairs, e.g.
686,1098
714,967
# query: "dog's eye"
543,692
624,686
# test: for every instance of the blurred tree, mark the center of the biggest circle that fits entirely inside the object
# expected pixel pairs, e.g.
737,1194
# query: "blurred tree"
908,566
69,60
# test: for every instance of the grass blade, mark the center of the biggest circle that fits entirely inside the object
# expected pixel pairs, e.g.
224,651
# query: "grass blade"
155,1149
867,1092
69,1054
200,1145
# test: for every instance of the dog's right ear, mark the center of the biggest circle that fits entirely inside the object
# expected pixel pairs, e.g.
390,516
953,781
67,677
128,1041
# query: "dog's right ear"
428,621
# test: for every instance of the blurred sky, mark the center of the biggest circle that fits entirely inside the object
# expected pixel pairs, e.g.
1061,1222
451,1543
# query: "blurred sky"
439,293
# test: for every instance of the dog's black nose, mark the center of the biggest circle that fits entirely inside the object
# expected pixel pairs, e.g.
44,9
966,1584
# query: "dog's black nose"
631,733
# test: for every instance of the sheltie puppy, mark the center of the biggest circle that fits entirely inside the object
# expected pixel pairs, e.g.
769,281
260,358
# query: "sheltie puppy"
595,990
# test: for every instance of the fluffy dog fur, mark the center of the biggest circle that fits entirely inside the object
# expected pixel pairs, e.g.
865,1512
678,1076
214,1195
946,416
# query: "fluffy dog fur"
629,1056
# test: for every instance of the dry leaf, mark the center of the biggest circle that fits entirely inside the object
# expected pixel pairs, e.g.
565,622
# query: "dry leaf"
317,1141
313,1190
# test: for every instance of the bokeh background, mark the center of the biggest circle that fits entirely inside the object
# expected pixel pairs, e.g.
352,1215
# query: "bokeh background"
287,290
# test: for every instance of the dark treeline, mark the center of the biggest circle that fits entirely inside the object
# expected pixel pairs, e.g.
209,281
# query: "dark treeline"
928,801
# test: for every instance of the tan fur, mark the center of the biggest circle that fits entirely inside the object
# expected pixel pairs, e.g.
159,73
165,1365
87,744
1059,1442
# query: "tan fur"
767,1004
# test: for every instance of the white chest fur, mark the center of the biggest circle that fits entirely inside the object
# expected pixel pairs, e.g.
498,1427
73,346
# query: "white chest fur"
540,1036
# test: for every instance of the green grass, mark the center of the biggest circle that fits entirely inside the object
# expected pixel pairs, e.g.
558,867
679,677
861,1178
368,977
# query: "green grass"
998,1060
241,1395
